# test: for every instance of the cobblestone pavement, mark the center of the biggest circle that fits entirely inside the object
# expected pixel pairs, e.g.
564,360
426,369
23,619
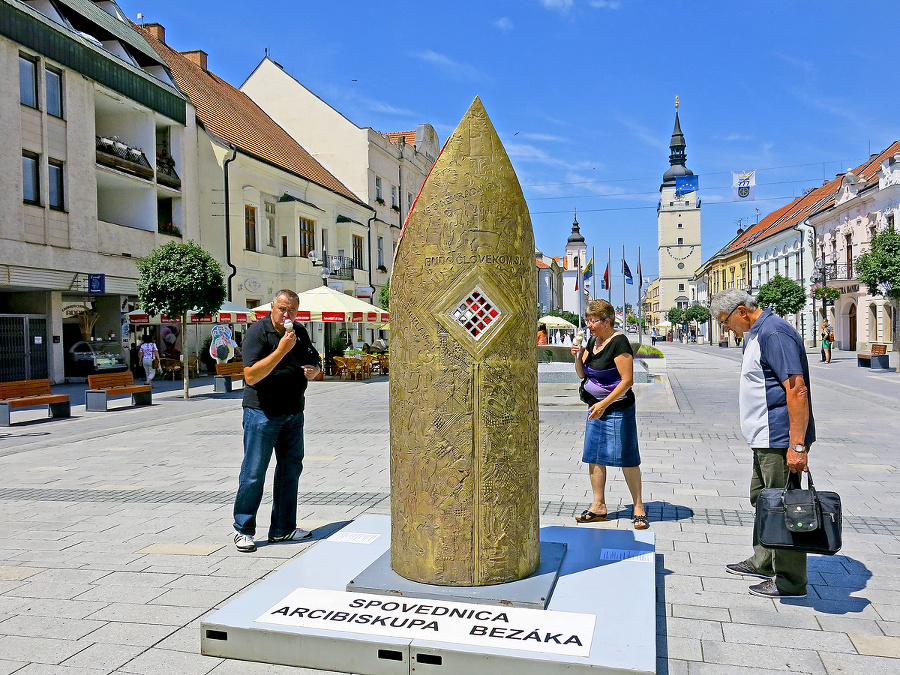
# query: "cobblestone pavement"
117,537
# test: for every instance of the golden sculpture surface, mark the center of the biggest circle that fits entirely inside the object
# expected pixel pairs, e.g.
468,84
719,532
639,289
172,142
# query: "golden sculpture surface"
464,422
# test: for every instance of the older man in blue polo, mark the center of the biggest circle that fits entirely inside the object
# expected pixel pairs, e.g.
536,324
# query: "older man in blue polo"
777,422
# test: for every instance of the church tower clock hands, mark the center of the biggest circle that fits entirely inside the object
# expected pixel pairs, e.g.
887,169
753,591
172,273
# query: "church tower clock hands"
678,223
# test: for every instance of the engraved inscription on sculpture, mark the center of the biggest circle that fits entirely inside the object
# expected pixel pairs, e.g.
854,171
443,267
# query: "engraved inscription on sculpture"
464,424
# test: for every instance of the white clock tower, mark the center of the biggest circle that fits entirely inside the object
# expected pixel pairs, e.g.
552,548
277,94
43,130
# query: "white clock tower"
678,222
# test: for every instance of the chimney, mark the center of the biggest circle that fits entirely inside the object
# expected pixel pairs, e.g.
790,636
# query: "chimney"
197,57
157,30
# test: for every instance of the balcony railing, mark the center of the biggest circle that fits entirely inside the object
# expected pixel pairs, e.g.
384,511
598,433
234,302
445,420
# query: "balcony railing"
341,266
113,153
165,172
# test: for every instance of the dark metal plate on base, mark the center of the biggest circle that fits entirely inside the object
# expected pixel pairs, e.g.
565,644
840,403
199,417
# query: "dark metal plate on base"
532,592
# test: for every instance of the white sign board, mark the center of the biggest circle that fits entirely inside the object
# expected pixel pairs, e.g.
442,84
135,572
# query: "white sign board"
530,630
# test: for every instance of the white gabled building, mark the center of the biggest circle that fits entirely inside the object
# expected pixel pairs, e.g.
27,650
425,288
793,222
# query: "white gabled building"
265,203
386,170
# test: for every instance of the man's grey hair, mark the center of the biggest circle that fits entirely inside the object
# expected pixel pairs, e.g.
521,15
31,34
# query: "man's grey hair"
725,302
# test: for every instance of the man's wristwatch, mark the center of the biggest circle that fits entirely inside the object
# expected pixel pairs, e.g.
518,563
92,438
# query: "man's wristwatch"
799,448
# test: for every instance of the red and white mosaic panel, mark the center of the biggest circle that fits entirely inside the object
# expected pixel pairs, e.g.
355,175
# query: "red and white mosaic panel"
476,313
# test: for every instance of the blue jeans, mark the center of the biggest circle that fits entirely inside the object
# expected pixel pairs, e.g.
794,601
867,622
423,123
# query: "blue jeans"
262,434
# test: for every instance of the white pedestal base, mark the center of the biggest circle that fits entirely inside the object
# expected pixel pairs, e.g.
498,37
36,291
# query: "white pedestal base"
609,575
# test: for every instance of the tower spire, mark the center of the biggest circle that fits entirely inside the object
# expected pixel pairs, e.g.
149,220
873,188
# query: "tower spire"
678,154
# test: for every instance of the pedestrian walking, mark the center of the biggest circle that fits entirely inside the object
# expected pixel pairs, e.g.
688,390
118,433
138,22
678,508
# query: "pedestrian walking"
606,365
279,358
777,422
827,340
149,357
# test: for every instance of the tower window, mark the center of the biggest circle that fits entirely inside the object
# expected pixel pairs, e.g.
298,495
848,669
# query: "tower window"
680,240
680,226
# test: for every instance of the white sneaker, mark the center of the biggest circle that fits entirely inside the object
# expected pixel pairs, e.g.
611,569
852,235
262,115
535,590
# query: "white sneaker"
296,535
244,543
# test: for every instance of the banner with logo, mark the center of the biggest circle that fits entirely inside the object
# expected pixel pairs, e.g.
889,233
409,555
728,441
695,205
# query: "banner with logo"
743,184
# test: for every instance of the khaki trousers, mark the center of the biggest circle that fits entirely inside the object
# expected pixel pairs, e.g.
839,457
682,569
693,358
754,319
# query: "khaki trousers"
770,469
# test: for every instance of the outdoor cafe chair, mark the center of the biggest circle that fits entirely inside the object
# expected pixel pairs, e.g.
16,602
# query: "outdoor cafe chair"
340,366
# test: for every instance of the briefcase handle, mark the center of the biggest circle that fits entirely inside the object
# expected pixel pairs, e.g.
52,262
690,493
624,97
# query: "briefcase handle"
795,482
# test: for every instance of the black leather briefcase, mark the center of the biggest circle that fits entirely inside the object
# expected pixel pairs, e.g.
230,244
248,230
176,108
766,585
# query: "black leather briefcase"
799,520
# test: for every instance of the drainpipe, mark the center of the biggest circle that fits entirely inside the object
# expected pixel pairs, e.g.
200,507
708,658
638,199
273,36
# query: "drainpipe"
369,233
805,228
228,222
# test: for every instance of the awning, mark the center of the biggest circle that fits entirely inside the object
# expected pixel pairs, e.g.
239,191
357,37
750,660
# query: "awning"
330,306
229,312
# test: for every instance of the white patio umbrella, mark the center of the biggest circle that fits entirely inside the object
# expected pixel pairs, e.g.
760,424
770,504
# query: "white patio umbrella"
330,306
556,322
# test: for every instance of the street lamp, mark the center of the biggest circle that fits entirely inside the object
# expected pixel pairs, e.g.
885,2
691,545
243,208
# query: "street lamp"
822,269
326,270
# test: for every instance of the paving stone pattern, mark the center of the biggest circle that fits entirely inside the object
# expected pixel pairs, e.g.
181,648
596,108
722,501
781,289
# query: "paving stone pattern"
117,540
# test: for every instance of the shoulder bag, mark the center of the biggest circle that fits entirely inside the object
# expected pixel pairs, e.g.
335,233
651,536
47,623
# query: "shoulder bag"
800,520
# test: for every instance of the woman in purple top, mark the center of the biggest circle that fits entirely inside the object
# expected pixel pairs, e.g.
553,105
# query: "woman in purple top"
606,365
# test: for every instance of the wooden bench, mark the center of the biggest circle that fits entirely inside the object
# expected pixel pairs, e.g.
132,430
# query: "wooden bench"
226,373
876,359
29,394
101,387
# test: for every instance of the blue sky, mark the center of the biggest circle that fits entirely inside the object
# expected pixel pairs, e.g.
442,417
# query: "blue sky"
582,91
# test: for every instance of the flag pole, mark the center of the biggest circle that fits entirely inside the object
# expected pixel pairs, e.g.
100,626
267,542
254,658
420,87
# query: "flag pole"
593,273
640,305
609,285
624,304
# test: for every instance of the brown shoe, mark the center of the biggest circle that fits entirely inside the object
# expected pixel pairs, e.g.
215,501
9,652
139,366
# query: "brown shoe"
641,522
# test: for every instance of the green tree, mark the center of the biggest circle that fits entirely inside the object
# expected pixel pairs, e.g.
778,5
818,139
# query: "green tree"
697,313
178,277
879,269
675,316
783,295
384,296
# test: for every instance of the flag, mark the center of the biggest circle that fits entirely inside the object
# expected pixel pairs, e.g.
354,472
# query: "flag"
605,284
627,272
588,271
743,184
686,184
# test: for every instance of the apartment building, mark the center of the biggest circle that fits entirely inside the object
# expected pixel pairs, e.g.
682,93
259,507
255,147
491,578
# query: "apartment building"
93,157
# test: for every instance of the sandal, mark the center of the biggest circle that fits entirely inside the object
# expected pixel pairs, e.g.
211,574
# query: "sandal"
640,522
590,517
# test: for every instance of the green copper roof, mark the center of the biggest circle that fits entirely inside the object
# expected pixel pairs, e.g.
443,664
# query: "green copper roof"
62,44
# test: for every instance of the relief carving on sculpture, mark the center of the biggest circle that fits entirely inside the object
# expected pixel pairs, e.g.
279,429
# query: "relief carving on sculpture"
464,423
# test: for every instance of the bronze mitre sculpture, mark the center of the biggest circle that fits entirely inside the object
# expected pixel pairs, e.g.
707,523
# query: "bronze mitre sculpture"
464,423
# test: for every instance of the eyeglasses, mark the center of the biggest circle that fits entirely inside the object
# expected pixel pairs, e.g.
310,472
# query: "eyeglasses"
725,322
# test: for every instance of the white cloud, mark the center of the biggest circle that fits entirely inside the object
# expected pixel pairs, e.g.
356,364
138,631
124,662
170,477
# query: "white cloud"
543,137
528,153
799,64
504,24
606,4
457,71
558,5
653,138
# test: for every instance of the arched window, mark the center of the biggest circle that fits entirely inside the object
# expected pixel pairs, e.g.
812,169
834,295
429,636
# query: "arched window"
873,322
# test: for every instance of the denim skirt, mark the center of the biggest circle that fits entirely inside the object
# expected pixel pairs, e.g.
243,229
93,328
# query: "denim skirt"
612,439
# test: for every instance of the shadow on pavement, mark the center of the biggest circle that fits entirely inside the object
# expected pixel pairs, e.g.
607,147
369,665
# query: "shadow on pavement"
842,577
318,534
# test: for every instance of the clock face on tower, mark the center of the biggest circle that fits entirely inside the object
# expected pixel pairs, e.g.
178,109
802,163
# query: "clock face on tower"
678,252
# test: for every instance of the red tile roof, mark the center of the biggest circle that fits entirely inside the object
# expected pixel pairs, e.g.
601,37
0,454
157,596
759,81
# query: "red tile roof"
541,264
231,115
802,207
408,136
